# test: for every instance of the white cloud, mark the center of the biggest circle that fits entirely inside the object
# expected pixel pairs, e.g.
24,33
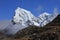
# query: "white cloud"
39,9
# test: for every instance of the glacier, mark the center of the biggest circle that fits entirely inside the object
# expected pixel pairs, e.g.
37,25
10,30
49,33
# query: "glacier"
23,19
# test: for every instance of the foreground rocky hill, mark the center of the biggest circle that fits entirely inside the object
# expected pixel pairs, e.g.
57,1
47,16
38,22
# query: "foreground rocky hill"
49,32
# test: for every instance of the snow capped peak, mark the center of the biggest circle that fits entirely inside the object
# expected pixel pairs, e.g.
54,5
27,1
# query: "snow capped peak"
43,18
44,14
20,15
23,18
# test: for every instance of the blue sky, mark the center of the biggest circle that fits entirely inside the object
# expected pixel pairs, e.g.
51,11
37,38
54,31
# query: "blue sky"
7,7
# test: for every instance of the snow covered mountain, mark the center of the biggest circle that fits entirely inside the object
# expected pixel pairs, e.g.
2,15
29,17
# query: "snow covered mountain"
23,19
23,16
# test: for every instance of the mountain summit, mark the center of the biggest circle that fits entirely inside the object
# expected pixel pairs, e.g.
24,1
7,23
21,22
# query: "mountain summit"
23,16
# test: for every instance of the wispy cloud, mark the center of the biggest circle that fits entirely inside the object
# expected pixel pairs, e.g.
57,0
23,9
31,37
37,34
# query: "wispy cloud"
39,9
